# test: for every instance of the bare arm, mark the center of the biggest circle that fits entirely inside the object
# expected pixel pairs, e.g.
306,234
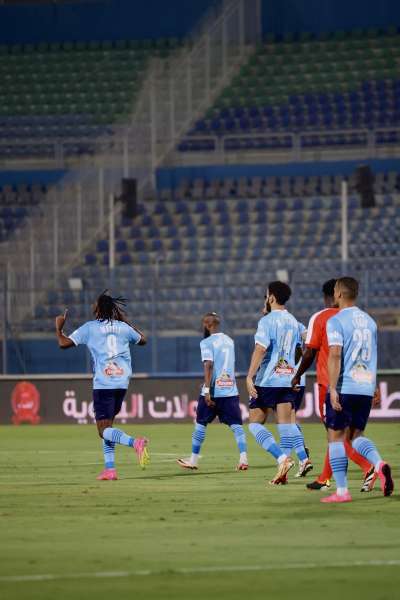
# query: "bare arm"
208,373
256,360
334,362
306,362
64,342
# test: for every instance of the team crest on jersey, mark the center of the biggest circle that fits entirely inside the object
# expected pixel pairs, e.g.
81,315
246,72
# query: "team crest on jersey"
361,374
113,370
224,381
283,368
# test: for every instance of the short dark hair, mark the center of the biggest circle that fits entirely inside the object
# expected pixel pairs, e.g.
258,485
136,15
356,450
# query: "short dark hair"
328,288
280,290
349,287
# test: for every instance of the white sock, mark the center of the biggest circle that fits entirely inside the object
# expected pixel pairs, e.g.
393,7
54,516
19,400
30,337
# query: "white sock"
281,459
341,491
194,459
243,458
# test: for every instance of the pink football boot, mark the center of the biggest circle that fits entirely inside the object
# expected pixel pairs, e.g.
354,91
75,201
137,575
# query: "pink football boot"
107,475
335,498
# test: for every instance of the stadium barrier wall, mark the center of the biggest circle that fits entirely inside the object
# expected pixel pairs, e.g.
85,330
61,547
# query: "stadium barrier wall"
60,399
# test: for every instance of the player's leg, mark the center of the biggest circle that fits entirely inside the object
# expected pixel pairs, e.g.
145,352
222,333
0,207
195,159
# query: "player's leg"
109,473
337,422
228,410
204,414
108,405
367,448
289,430
323,480
258,411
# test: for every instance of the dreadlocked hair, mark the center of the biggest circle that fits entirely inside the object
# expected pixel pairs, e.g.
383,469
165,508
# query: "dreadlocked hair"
109,308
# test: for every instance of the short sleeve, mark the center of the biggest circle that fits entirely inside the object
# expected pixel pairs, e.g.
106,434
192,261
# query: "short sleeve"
133,336
262,336
81,335
314,333
206,351
334,331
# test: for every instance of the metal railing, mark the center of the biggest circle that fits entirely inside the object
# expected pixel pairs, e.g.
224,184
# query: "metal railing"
174,93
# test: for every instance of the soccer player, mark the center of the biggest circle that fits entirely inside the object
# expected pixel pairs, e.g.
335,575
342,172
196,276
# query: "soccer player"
317,346
219,396
108,337
272,365
352,339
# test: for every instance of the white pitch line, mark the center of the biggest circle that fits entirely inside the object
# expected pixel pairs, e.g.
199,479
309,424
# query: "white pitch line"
197,570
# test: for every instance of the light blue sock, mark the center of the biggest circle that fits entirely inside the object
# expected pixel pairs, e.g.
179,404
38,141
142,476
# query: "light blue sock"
285,438
240,437
298,442
338,461
109,456
266,440
112,434
198,436
368,450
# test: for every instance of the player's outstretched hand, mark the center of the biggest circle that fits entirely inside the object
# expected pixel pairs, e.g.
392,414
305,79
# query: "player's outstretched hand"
335,401
376,400
251,388
208,400
296,383
60,320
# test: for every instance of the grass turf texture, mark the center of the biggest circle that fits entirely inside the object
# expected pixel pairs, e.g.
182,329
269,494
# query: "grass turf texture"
57,519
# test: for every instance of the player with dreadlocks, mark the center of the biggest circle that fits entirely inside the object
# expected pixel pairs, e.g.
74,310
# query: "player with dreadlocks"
108,337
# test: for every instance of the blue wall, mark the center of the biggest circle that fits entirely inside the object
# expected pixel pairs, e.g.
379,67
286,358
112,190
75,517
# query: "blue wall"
315,16
170,177
29,177
101,20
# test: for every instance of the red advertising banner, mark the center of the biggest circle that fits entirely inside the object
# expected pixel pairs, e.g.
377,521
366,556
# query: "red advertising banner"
149,400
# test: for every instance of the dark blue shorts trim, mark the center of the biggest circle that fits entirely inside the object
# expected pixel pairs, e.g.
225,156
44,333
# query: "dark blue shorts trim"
355,412
107,403
299,398
226,409
269,397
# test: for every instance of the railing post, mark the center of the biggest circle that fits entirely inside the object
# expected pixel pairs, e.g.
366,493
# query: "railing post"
344,245
153,130
32,270
242,39
111,237
79,218
125,150
101,197
207,66
55,239
224,47
172,108
5,319
189,85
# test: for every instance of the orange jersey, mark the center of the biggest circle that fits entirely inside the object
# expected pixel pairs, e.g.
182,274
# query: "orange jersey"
317,339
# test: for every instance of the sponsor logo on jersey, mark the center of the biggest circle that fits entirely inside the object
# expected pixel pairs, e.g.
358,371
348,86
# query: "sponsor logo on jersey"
113,370
361,374
283,368
224,381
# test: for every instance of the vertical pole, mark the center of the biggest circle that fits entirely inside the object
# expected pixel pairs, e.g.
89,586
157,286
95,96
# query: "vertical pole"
154,340
241,16
5,321
55,240
32,270
111,240
172,108
125,151
189,86
224,46
79,218
101,197
258,20
345,243
207,66
153,130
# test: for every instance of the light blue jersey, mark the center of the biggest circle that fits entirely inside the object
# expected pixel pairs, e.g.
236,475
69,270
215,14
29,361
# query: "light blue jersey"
108,342
356,332
220,349
279,333
302,330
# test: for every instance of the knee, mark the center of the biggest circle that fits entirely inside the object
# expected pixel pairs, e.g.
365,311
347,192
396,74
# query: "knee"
101,426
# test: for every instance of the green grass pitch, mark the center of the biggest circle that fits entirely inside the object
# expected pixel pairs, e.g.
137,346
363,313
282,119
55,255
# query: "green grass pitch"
165,533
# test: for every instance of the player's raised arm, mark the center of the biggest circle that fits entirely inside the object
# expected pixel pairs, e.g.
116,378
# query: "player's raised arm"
64,342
